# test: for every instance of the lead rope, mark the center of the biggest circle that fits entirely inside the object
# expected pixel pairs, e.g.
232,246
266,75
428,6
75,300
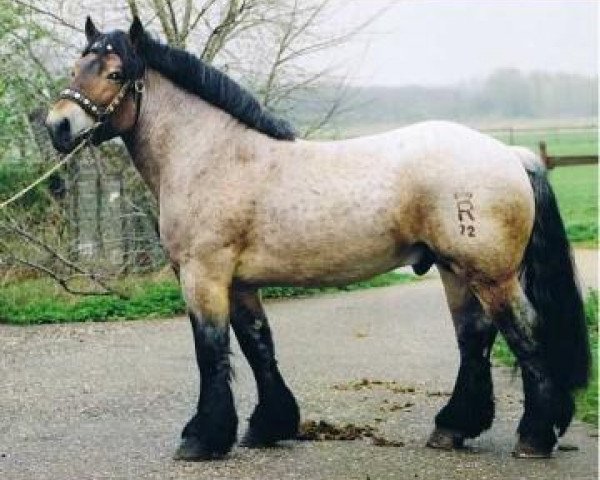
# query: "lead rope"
64,161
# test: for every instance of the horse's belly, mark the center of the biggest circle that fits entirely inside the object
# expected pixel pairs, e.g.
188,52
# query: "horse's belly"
332,261
259,269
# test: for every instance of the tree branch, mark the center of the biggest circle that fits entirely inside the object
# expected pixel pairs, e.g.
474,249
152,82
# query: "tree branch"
133,8
14,228
220,33
173,19
63,282
159,8
48,13
205,8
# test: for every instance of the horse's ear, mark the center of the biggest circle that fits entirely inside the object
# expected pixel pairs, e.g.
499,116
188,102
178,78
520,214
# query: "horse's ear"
136,31
91,32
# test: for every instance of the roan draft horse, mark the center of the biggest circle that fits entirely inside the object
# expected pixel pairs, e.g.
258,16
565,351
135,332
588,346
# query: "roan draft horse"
244,204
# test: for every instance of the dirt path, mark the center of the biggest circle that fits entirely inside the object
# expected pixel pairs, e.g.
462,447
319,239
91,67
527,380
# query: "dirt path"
107,401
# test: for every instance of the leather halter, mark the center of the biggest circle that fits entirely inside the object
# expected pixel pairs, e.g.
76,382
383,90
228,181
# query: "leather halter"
99,112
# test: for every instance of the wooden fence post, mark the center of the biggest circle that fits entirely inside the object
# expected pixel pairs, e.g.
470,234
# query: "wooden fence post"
544,155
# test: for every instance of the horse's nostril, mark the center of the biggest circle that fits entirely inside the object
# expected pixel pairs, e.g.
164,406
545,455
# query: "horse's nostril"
60,132
64,128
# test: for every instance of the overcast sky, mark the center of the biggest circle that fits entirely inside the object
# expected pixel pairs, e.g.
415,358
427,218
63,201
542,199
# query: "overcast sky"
436,42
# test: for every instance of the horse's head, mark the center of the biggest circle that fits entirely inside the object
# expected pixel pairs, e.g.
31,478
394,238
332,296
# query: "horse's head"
104,91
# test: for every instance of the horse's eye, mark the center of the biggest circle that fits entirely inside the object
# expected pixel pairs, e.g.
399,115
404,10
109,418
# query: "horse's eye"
115,76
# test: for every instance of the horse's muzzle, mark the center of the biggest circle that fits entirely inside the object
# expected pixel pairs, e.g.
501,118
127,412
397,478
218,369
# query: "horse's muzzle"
61,135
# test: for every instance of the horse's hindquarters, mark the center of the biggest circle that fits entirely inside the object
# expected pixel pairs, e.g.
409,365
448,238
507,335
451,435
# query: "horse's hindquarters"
479,219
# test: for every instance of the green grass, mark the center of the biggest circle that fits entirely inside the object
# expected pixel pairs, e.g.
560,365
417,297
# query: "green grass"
586,400
41,301
576,189
38,301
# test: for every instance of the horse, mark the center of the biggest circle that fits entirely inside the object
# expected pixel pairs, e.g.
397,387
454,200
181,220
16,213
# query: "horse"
245,204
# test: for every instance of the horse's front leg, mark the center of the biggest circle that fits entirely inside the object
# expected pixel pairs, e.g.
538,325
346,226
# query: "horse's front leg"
212,430
276,417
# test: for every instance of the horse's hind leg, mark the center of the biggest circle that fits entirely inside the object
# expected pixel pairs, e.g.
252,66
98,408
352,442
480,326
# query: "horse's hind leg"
276,416
547,407
470,410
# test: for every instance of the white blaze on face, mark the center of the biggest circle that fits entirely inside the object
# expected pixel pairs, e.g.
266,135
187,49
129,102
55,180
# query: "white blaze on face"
78,118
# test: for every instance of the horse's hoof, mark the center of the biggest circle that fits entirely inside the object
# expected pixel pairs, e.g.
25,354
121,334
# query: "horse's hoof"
444,439
252,440
273,421
255,438
192,449
526,450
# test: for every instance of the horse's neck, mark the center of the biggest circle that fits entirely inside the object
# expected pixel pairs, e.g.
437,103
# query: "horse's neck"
175,127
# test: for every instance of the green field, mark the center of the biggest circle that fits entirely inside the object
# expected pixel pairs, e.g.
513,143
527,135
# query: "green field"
559,142
576,189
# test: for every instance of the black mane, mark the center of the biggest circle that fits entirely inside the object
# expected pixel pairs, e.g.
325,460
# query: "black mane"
193,75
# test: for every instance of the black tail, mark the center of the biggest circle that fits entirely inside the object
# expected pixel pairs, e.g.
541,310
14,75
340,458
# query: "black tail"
550,283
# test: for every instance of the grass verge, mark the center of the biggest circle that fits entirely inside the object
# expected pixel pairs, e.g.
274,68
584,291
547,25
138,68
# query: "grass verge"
576,189
40,301
586,400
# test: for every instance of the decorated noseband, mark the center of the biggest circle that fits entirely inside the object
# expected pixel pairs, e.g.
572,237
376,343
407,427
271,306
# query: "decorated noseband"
99,112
